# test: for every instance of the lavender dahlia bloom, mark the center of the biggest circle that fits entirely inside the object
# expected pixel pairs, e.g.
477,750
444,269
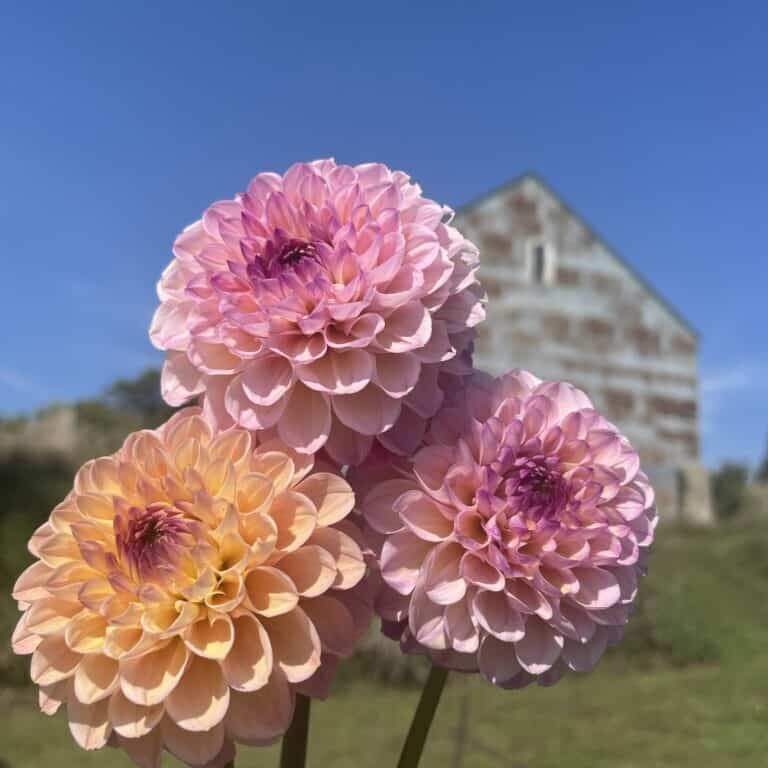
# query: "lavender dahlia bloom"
514,544
330,303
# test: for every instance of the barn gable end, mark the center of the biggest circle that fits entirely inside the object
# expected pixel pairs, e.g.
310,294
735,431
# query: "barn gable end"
563,304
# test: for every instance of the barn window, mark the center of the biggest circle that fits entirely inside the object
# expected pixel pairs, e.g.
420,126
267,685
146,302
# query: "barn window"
541,262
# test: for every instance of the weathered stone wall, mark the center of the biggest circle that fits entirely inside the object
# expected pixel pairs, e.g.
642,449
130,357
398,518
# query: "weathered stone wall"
584,316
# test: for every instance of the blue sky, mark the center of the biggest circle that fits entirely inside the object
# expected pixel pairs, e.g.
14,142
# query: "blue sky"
121,122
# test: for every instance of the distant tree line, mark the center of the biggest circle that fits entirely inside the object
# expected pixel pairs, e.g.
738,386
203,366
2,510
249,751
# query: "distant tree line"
729,486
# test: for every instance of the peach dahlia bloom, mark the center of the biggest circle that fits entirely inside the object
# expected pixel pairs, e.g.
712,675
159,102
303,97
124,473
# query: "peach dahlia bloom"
186,589
514,544
330,303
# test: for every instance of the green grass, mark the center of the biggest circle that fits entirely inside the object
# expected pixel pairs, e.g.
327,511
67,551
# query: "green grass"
688,688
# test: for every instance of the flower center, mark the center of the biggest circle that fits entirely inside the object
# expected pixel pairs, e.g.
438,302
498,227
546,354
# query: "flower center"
535,489
295,251
152,539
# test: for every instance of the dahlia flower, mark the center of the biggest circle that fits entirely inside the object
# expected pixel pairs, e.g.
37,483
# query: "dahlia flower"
186,589
514,543
330,303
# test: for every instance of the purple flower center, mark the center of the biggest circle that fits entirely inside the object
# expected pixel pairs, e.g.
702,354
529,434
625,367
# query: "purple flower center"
536,489
152,539
294,251
287,258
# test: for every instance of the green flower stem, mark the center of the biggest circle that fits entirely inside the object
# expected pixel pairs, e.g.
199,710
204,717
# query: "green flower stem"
294,750
422,718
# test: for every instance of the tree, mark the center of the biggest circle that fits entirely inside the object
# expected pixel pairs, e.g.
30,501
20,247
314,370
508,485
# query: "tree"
761,476
140,396
729,489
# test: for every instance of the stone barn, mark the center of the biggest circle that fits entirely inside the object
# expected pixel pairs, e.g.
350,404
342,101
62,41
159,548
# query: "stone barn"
565,305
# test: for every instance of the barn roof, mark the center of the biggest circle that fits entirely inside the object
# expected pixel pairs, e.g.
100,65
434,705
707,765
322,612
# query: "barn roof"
516,181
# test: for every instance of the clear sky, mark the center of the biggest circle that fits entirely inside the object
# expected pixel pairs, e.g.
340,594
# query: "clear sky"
120,122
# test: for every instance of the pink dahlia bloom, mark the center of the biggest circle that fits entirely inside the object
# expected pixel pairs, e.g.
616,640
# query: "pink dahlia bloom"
330,303
186,589
514,544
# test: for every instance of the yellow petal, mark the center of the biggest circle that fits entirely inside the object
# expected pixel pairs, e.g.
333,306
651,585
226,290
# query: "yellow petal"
220,479
202,586
200,700
124,642
67,580
51,697
49,616
188,427
85,632
275,465
39,537
150,454
168,619
53,661
331,495
187,455
95,506
132,720
270,592
296,518
64,515
233,552
254,493
31,585
89,723
23,641
95,678
211,637
302,462
150,678
95,592
58,549
350,565
99,475
248,664
310,568
232,445
295,644
260,716
228,594
260,533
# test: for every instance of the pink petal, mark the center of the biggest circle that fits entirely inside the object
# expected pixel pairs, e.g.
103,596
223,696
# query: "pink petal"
443,583
180,380
406,329
267,379
423,516
497,616
401,558
497,661
481,573
306,421
378,506
347,447
597,588
461,631
397,374
540,648
342,372
369,411
245,412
